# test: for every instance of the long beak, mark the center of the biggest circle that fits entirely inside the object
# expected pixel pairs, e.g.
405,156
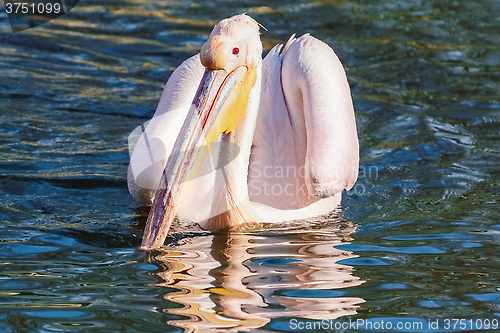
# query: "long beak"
202,126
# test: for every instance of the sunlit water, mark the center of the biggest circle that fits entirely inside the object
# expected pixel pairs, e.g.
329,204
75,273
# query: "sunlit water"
417,239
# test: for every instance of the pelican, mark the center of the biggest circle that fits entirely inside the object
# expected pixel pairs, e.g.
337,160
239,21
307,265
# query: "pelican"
237,139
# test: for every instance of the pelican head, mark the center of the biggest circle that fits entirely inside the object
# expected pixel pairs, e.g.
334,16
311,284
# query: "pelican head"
234,42
231,57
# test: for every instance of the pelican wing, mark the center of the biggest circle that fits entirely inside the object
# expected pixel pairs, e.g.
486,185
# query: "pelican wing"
316,88
305,144
156,142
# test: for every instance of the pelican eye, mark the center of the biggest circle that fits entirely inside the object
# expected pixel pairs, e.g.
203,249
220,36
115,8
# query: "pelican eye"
236,50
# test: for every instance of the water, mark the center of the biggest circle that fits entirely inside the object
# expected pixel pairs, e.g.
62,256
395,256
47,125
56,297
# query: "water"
416,241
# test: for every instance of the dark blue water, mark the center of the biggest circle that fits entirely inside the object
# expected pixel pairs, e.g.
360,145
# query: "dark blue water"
416,242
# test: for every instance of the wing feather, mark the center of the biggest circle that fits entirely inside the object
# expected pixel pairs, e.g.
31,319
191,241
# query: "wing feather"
155,144
317,92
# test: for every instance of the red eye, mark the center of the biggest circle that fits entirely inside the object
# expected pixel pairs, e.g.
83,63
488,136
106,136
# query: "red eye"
236,50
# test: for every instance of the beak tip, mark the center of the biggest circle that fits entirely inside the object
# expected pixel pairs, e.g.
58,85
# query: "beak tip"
148,244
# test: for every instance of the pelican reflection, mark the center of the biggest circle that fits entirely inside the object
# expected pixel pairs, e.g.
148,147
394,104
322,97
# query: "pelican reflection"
239,281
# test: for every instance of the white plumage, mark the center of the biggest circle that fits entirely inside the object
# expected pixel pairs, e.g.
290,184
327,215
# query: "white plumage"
297,139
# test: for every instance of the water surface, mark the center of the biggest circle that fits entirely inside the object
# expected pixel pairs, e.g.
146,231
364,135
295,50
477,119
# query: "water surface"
416,240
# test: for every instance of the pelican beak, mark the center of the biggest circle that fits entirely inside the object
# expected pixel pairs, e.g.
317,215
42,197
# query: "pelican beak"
219,104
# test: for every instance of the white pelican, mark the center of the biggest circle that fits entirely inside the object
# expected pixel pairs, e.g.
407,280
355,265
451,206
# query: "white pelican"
280,130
